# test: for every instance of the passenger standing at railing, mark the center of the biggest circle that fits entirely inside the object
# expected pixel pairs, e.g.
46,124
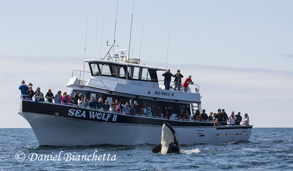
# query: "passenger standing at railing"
49,96
239,118
159,112
245,119
80,101
177,80
232,118
76,97
58,97
149,112
211,116
65,99
106,106
167,79
186,83
204,115
92,103
186,116
224,117
30,93
100,104
41,95
132,110
23,89
113,107
126,108
196,115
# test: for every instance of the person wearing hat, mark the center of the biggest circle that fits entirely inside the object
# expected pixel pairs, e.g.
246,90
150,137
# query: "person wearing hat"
149,111
177,80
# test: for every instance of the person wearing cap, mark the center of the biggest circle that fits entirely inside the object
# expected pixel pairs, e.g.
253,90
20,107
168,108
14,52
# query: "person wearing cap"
167,79
186,83
177,80
181,115
41,95
30,93
23,89
49,96
58,97
232,118
239,119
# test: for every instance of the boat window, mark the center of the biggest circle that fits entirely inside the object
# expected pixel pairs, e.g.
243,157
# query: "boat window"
95,70
135,73
105,69
122,72
145,74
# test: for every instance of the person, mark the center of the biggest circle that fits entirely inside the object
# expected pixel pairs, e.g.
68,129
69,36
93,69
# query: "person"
76,98
106,106
30,84
80,101
132,110
180,115
211,116
30,93
136,107
65,99
154,110
159,112
86,102
216,123
224,117
23,89
100,103
149,111
113,107
41,95
177,80
196,115
49,96
219,116
38,96
166,112
167,79
126,108
118,106
186,83
204,115
92,103
245,119
170,112
58,97
143,109
232,118
214,116
186,116
239,119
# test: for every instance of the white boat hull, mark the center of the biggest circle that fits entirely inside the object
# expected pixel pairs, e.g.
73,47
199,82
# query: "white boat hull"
61,131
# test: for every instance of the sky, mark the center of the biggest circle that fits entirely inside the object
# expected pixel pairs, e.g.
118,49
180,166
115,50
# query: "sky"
239,52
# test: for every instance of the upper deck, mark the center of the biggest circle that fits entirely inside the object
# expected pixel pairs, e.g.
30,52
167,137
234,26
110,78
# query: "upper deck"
129,78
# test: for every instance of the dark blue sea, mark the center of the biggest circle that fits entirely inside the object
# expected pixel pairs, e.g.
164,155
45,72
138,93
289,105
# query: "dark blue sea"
267,149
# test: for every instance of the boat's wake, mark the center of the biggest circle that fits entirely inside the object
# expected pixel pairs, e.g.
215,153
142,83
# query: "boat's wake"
193,151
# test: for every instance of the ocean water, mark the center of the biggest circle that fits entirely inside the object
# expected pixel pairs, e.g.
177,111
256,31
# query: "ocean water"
267,149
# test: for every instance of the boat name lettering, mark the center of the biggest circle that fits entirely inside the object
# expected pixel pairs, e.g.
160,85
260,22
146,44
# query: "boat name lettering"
76,113
92,115
163,93
102,116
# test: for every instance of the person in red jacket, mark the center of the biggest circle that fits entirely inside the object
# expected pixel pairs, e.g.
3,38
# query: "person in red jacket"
186,83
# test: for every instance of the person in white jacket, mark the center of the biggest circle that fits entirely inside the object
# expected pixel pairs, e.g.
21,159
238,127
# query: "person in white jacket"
245,120
232,118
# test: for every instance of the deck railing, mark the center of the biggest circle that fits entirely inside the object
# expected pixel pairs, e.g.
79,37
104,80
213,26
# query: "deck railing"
192,88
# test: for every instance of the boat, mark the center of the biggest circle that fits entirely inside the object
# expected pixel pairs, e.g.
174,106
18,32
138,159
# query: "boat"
118,77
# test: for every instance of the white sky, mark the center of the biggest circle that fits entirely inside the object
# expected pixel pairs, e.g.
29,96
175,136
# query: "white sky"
240,52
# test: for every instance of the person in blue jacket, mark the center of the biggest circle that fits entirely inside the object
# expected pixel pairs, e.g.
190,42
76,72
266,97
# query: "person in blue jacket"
23,89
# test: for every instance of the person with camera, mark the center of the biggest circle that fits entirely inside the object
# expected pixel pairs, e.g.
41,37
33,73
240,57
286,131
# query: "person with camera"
23,89
177,80
186,83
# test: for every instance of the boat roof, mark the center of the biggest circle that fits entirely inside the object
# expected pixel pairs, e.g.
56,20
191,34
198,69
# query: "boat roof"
124,63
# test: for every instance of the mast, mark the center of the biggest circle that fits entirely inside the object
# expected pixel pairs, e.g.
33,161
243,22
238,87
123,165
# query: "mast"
129,43
85,45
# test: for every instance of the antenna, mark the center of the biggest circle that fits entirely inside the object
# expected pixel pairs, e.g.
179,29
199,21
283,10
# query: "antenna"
96,41
85,44
130,30
141,40
129,42
167,50
115,24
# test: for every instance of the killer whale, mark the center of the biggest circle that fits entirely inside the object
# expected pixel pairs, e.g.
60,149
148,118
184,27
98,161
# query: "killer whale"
169,141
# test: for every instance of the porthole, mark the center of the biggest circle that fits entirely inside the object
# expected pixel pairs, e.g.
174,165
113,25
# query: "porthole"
218,134
201,135
238,134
